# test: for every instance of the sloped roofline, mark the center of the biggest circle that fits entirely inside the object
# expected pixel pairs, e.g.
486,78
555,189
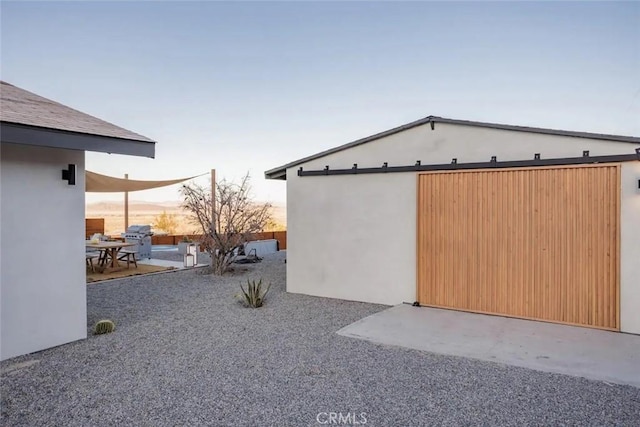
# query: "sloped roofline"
281,172
30,119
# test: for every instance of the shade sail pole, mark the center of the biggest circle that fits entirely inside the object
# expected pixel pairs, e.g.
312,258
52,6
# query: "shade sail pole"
213,200
126,206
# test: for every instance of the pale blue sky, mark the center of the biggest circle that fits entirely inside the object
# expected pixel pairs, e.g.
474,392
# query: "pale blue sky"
251,86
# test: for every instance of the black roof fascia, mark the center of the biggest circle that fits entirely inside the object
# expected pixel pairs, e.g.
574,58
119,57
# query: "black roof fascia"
493,164
44,137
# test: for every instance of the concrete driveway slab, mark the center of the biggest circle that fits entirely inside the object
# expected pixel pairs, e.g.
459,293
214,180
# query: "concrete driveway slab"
570,350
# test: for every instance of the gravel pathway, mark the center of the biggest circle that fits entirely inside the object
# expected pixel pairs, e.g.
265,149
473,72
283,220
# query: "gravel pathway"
185,353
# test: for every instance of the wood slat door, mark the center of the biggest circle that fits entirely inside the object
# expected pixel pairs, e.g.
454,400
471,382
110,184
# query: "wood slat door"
535,243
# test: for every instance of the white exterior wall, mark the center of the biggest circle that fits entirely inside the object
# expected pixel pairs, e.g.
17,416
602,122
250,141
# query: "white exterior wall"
630,248
42,273
354,236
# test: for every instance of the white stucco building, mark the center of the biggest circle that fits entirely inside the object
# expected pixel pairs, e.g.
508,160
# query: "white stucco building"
42,270
517,221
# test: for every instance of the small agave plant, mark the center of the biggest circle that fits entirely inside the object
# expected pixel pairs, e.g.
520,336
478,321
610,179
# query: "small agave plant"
253,296
105,326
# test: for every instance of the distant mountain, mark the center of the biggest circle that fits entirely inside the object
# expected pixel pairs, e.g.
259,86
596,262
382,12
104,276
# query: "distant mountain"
137,207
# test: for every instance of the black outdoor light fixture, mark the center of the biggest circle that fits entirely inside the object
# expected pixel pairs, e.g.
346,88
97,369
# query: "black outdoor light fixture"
69,174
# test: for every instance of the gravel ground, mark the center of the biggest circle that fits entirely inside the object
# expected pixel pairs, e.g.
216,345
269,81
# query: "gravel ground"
186,353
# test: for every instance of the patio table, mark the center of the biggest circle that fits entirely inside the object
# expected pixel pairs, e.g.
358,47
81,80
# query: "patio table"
110,248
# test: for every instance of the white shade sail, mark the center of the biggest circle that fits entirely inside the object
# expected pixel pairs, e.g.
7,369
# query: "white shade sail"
96,183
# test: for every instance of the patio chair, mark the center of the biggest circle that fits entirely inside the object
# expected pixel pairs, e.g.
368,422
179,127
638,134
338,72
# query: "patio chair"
90,256
128,255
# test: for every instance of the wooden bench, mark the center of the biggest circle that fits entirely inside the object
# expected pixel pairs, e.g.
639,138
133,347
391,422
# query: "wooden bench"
129,256
90,256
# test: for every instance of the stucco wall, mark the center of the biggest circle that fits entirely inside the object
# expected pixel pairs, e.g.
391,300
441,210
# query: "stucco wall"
42,273
630,248
353,237
466,143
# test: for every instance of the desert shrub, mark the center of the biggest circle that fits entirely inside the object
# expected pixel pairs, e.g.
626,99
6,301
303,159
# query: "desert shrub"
166,222
253,296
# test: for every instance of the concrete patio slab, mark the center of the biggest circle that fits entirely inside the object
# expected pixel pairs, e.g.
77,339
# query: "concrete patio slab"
167,263
570,350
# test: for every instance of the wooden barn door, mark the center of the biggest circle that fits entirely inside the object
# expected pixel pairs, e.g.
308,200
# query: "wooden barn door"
534,243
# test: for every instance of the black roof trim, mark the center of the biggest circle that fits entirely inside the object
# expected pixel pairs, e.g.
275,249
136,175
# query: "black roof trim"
45,137
281,172
492,164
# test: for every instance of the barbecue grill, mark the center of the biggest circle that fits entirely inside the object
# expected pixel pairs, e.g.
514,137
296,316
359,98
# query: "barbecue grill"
141,236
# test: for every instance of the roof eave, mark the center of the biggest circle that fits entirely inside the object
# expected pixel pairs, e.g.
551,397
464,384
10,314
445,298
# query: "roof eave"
277,173
44,137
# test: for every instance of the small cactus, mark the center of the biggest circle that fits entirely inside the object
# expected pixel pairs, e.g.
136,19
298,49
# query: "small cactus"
105,326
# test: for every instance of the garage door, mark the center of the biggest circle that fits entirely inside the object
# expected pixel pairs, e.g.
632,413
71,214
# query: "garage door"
538,243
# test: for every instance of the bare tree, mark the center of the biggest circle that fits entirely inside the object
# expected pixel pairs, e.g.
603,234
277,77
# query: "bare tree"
227,225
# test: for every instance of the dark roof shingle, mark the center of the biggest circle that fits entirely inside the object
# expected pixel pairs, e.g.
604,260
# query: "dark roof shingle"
22,107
